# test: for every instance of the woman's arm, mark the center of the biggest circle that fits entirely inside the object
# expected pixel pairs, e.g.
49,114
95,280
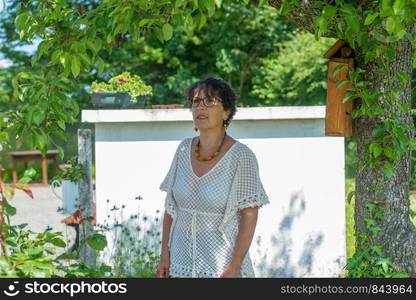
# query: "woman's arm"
246,230
167,222
163,267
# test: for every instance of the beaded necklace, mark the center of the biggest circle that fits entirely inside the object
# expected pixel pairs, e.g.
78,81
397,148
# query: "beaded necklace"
198,155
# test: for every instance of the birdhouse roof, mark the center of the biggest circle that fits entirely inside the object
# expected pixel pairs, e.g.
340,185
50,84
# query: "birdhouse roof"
335,47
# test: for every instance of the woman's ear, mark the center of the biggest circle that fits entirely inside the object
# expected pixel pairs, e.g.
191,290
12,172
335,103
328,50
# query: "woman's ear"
226,114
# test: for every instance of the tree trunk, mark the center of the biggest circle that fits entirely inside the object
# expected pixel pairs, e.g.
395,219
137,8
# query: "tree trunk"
398,234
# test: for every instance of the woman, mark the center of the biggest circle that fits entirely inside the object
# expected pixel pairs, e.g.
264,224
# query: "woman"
213,193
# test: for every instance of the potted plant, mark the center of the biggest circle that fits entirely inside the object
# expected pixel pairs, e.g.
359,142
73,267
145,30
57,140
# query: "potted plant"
121,91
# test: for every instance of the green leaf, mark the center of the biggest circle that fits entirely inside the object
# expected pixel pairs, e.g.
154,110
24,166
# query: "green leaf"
375,230
388,169
75,66
370,18
159,33
353,23
349,96
39,117
323,25
85,58
384,264
369,55
58,242
203,21
61,135
329,11
377,249
350,195
11,242
167,31
25,179
55,57
341,82
378,132
25,75
97,241
38,251
376,149
100,64
390,25
362,38
94,45
4,264
337,69
398,6
29,116
386,8
404,107
10,210
71,255
61,124
285,7
403,78
20,20
41,137
400,275
370,222
210,6
389,152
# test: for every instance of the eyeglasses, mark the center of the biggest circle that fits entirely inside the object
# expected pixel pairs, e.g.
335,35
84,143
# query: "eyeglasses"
208,102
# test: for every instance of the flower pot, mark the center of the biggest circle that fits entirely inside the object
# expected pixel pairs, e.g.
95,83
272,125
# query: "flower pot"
139,104
119,100
110,99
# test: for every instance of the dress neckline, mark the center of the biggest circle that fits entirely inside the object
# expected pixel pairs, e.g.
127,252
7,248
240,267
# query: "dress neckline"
214,166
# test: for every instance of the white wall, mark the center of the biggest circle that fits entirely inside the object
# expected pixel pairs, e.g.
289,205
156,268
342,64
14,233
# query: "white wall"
301,233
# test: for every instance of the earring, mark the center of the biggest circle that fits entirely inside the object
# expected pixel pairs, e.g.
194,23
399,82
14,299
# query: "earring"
225,126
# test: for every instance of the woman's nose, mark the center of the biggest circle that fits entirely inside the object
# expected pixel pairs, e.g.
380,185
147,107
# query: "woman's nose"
199,104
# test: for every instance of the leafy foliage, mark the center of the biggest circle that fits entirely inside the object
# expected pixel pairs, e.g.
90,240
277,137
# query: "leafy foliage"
76,37
368,260
294,75
73,173
125,82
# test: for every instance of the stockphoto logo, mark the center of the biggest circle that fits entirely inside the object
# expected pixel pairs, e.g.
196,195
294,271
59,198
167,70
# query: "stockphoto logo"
72,289
11,290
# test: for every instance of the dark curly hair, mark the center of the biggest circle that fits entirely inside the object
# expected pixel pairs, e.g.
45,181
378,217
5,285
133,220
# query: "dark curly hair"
215,87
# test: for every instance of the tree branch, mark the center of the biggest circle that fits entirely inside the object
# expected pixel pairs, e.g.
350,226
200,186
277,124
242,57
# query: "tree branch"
304,16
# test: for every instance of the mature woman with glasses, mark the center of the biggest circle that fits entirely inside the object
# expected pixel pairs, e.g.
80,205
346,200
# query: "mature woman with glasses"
213,193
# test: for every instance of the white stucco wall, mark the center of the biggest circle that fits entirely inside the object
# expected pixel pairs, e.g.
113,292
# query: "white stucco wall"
301,233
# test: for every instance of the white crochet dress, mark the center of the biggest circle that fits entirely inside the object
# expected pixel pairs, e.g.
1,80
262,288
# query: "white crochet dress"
205,210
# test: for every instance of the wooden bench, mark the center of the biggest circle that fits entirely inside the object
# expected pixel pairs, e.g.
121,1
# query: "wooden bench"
27,156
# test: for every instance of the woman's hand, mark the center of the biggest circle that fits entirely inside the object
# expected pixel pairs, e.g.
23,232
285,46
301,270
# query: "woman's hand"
163,266
231,271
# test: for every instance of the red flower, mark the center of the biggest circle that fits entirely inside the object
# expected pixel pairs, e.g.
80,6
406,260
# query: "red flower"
121,80
75,218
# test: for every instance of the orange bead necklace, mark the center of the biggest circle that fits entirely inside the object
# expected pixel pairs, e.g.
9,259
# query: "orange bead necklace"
198,155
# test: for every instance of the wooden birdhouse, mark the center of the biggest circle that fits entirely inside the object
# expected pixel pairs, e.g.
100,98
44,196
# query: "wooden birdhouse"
338,119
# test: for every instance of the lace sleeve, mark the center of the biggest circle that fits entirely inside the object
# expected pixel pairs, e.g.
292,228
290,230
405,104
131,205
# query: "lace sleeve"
250,190
167,185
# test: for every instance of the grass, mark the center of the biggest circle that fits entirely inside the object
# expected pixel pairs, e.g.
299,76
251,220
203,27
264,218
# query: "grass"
349,213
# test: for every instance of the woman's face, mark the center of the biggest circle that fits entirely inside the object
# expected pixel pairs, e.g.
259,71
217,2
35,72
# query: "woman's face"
208,117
